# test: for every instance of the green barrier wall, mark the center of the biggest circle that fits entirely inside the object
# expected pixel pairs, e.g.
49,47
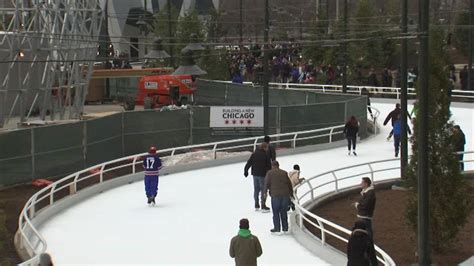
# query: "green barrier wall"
54,151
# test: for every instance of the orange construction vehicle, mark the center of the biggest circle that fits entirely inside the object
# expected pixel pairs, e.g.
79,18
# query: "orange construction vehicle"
155,91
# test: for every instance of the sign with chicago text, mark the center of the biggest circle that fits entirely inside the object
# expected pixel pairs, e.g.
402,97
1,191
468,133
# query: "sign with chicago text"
236,117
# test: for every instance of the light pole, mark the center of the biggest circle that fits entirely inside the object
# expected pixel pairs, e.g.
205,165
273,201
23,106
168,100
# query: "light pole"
422,138
471,46
266,50
170,33
344,51
241,23
404,91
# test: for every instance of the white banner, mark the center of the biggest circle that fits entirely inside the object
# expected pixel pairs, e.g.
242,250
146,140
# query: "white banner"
236,116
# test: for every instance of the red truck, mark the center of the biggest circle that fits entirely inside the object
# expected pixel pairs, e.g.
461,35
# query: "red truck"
165,90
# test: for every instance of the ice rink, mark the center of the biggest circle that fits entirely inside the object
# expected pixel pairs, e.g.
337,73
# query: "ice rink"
197,212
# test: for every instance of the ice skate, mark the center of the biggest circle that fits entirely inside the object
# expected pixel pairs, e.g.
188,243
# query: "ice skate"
149,201
275,232
257,207
349,153
153,201
265,208
355,154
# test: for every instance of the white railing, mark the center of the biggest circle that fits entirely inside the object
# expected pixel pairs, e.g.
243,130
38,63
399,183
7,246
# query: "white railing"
392,91
335,180
354,89
34,244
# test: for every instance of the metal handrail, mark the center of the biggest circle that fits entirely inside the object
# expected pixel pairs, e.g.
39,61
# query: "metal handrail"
321,223
34,243
357,89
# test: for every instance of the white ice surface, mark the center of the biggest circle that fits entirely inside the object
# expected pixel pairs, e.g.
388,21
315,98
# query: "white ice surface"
197,213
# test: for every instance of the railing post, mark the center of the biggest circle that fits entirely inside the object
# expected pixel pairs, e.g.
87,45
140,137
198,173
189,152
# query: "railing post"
255,144
214,151
330,135
335,181
294,141
371,172
101,175
73,186
32,209
51,195
323,232
133,165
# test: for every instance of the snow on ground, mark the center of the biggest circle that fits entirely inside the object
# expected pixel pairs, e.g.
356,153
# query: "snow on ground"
197,213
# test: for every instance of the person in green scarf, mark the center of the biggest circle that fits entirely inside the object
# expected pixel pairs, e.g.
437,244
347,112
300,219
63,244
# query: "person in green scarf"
245,247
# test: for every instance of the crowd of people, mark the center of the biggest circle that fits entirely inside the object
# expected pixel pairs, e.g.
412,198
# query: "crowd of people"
287,65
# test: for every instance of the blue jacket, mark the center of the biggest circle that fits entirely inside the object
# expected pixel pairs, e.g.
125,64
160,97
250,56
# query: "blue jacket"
151,164
397,128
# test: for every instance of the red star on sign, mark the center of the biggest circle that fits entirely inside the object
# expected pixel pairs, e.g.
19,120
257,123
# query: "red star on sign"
241,121
227,121
234,121
249,121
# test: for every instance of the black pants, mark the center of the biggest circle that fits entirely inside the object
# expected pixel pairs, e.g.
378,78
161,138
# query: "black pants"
460,157
351,140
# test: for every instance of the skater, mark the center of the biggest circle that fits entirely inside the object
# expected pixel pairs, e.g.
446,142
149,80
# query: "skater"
271,150
245,247
394,115
350,130
360,248
152,165
279,185
397,133
260,163
294,176
364,91
366,204
459,140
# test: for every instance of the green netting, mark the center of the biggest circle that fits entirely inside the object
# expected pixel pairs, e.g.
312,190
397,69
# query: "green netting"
58,137
104,139
15,171
164,129
59,163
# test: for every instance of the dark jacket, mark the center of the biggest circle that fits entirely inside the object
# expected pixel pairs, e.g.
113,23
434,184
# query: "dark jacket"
366,205
459,140
393,115
245,248
271,152
351,130
360,249
260,163
278,183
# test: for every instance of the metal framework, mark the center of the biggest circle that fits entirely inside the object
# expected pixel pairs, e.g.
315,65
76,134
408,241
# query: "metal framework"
47,50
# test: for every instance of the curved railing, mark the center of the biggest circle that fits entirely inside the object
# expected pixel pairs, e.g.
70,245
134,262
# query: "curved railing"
390,91
332,182
34,244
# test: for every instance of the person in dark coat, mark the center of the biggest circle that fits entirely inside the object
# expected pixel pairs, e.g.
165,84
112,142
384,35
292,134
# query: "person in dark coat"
394,115
364,91
271,150
245,247
360,248
280,188
260,163
350,130
366,204
459,140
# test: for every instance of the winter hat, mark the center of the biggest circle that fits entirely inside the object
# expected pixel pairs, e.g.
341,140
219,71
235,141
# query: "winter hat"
244,223
296,167
359,224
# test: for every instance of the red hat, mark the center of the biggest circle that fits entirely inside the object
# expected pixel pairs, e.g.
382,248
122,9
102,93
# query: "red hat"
152,150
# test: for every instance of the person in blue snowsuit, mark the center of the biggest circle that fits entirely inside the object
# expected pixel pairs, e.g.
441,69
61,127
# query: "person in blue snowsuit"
152,165
397,133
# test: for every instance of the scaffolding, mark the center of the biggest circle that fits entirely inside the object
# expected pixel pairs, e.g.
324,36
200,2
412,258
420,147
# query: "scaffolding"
47,54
